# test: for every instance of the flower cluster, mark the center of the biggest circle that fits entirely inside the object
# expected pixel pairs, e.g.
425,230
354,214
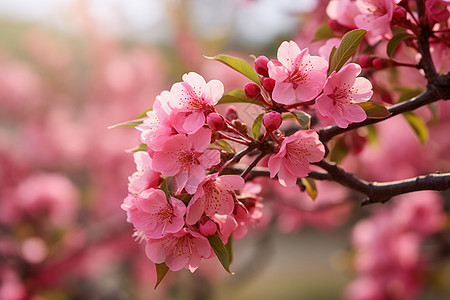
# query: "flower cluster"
183,192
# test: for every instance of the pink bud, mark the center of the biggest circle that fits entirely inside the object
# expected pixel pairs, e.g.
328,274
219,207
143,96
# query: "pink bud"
399,15
365,61
272,120
261,66
216,121
334,25
252,90
207,227
268,83
379,63
231,113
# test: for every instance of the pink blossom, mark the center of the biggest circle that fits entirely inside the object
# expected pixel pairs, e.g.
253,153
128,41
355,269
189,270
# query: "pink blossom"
341,93
298,76
227,225
192,99
186,159
343,11
145,177
375,16
151,213
295,154
183,249
214,196
437,10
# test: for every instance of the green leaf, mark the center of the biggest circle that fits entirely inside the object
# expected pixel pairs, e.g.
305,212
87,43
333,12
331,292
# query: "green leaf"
226,146
287,116
184,197
229,246
256,128
143,113
324,32
239,65
407,93
141,147
349,44
302,118
339,151
132,123
332,54
237,96
418,125
161,271
221,251
395,41
372,135
310,186
374,110
167,187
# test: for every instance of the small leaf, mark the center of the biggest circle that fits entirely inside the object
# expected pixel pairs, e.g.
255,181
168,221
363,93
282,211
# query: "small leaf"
332,54
239,65
221,251
143,113
226,146
347,47
407,93
167,187
141,147
395,41
374,110
287,116
302,118
184,197
237,96
418,125
339,151
310,186
161,271
229,246
256,128
324,32
132,123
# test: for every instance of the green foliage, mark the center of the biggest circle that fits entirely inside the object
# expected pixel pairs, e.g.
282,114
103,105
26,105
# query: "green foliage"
395,41
132,123
310,186
339,151
324,32
143,113
302,118
237,96
226,146
256,128
140,147
161,271
374,110
349,43
237,64
221,251
418,125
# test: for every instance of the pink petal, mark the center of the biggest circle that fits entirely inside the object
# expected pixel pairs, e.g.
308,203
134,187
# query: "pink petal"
196,81
193,122
354,113
209,158
274,165
196,175
231,182
287,53
194,211
363,90
284,93
179,181
286,178
201,139
156,250
213,92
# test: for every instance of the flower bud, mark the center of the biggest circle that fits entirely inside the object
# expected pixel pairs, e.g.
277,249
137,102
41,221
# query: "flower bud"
399,15
261,66
216,122
268,83
207,227
334,25
231,113
272,120
365,61
252,90
379,63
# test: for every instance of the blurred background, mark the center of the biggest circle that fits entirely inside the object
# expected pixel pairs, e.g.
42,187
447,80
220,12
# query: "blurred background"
71,68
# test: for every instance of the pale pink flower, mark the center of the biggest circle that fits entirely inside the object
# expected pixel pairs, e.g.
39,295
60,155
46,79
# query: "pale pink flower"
186,159
343,11
192,100
227,225
341,93
157,126
375,16
215,195
295,154
145,177
326,49
299,77
183,249
151,212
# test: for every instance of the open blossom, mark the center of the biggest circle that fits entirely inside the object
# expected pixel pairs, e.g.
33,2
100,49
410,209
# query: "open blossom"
342,91
145,177
343,11
299,77
192,99
151,213
183,249
157,126
295,154
375,16
186,159
214,196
